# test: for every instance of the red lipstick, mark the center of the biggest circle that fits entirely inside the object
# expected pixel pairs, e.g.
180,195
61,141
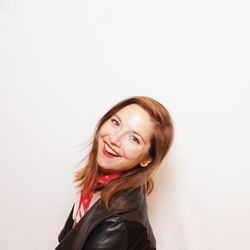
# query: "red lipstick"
107,154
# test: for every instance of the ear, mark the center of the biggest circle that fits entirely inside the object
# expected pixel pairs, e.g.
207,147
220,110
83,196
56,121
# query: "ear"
146,162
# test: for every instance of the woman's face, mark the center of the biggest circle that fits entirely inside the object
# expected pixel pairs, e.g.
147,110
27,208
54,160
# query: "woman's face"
124,139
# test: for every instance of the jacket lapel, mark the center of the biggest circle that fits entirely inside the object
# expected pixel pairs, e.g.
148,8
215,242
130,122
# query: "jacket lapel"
90,220
77,236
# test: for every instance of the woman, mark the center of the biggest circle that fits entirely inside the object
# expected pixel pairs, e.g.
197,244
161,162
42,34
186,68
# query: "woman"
110,211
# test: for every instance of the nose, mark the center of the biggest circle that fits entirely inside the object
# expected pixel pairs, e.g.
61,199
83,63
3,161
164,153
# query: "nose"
115,139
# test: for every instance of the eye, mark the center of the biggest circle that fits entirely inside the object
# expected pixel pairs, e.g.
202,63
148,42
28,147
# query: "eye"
114,121
135,139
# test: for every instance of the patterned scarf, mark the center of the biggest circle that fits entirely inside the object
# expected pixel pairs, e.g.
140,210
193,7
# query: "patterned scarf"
84,200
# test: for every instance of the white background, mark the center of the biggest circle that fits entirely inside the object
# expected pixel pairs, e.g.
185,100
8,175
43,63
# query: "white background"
64,63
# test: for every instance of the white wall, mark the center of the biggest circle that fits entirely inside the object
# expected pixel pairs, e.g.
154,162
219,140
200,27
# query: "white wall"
65,63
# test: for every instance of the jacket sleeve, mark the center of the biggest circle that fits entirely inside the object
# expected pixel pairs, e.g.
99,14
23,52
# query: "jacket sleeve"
110,234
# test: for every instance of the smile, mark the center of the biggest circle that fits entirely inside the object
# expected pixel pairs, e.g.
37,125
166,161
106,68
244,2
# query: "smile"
109,152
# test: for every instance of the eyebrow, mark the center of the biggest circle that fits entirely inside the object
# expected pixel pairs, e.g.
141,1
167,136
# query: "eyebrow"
132,131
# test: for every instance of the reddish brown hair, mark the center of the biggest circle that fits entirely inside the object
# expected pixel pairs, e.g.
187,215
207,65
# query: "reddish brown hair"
160,143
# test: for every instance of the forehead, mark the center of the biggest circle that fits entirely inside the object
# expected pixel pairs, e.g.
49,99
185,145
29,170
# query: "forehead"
137,119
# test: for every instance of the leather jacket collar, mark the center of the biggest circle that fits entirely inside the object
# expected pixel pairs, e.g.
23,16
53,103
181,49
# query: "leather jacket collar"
131,205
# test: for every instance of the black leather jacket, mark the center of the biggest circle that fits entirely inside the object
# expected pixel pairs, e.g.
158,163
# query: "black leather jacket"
124,227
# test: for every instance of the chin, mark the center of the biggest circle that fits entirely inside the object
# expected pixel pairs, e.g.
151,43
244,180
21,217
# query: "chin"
107,170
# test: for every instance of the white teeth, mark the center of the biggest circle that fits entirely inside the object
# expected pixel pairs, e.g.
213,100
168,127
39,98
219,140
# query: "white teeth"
110,150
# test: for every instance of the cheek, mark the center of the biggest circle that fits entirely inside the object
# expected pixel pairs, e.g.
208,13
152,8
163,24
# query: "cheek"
132,151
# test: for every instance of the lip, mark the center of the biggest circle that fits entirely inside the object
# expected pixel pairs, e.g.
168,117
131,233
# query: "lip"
118,155
106,154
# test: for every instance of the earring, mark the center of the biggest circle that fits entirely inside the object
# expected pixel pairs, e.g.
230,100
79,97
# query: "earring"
144,164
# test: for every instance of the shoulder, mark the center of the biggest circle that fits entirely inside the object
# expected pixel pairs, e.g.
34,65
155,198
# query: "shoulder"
129,200
115,232
131,206
108,234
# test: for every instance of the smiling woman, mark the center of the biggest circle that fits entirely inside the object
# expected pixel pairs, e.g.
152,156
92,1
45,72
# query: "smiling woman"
110,211
124,140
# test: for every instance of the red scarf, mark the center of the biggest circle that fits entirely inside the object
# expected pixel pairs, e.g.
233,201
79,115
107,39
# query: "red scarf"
86,198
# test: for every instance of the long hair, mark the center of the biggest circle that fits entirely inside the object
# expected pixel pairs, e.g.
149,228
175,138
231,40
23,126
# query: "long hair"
160,143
